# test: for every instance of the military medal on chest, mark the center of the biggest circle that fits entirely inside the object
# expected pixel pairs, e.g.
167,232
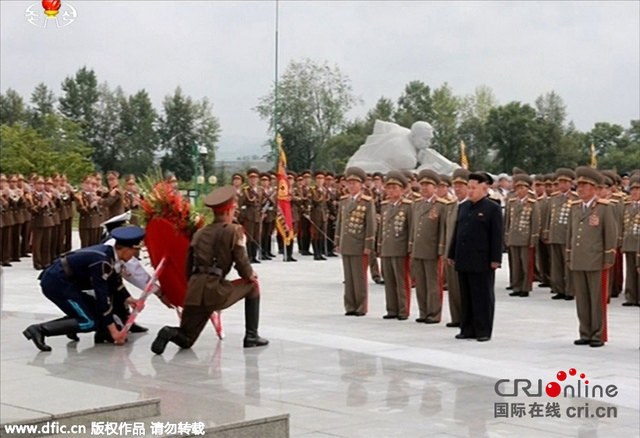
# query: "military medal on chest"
398,223
594,220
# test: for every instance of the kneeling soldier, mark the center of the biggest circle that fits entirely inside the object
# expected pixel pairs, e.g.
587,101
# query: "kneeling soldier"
213,251
89,268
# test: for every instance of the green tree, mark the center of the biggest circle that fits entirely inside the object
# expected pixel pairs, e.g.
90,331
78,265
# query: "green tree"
512,131
313,100
42,104
80,97
617,148
342,146
139,137
187,128
12,108
107,137
414,105
445,116
25,150
472,127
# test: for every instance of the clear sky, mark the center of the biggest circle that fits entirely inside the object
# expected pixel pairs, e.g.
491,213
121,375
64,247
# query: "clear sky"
587,52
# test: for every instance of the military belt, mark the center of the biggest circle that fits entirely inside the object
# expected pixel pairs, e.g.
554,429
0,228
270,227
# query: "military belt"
210,270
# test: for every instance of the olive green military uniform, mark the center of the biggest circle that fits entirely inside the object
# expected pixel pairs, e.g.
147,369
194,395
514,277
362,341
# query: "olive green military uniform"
522,227
554,231
591,241
251,204
394,250
630,244
89,220
427,241
355,233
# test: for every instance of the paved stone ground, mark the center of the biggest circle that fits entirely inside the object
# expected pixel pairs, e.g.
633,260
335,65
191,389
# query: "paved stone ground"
336,375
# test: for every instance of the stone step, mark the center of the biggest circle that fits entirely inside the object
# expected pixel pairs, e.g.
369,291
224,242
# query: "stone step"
51,425
276,426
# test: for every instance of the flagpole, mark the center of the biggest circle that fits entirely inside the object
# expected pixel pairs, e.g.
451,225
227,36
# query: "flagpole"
285,256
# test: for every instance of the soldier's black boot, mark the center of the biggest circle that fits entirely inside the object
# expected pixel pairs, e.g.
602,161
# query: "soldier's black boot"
165,335
317,250
290,253
37,332
251,319
253,252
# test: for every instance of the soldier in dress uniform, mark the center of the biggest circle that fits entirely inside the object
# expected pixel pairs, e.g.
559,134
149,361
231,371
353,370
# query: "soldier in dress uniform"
133,199
42,224
15,206
631,243
318,197
89,268
427,240
377,192
617,198
6,222
114,199
214,250
50,189
554,233
237,180
88,207
542,249
269,210
605,191
251,204
66,201
303,196
459,182
393,246
355,239
521,232
333,198
443,190
25,230
591,242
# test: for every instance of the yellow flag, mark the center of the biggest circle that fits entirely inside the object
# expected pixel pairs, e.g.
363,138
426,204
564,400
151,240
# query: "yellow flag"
594,160
464,161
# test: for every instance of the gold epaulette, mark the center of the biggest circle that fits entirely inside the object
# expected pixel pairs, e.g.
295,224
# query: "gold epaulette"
366,198
511,199
416,195
628,201
344,197
533,200
620,195
577,202
614,201
573,193
385,202
556,193
407,201
444,201
603,201
541,198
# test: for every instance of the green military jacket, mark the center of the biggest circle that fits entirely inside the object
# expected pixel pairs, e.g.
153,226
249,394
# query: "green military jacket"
395,227
356,225
427,237
216,247
592,236
521,222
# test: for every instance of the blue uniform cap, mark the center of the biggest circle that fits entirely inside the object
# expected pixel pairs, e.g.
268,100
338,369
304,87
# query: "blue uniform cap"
128,236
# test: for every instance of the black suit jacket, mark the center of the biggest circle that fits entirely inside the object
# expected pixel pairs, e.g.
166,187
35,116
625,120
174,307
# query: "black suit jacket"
477,238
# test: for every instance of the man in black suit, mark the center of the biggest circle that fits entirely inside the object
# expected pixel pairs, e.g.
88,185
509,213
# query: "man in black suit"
476,252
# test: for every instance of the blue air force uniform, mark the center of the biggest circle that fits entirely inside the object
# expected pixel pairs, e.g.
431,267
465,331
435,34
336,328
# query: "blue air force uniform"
91,268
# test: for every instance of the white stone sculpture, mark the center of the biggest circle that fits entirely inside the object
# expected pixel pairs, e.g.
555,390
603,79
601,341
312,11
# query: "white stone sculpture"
391,146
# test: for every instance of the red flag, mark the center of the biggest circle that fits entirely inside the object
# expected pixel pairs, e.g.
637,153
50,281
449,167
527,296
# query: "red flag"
284,219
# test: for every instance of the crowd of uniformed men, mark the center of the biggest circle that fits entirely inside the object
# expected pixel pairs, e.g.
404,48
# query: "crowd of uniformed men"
562,238
37,213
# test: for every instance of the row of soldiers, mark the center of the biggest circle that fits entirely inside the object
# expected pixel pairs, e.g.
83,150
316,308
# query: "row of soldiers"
36,214
536,218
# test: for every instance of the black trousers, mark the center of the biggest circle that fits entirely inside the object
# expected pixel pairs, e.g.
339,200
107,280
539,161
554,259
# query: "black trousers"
477,299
